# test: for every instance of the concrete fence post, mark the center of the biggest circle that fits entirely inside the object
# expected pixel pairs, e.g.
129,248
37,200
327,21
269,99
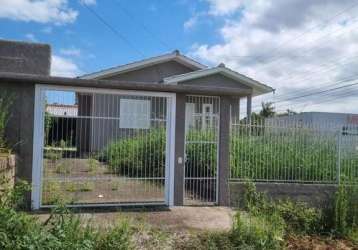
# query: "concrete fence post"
179,150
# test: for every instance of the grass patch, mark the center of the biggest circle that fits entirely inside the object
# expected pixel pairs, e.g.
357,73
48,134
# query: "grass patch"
263,225
259,156
79,186
93,165
63,168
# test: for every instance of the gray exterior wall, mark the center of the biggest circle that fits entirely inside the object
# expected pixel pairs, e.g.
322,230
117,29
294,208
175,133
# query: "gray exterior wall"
22,57
28,58
154,73
316,119
103,131
19,130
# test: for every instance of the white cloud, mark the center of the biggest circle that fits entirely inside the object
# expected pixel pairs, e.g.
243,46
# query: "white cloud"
31,37
291,50
193,21
47,30
190,23
42,11
71,52
88,2
61,66
223,7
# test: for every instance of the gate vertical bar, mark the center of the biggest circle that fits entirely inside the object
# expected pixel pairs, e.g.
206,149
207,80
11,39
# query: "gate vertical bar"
339,142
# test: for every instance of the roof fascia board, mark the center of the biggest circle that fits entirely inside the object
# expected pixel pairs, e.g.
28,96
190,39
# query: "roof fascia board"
145,63
257,86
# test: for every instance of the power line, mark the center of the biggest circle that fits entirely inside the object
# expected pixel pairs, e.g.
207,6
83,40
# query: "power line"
113,29
306,104
319,92
142,25
296,93
326,97
311,29
302,47
314,93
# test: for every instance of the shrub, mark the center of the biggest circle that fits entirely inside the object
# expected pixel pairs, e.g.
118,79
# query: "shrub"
340,219
346,210
143,154
63,168
93,165
6,99
300,218
67,229
139,155
258,231
62,230
117,238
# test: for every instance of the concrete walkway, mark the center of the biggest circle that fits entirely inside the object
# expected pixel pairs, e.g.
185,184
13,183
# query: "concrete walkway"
175,219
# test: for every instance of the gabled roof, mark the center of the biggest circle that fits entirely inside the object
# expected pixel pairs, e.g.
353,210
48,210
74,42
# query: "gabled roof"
174,56
258,88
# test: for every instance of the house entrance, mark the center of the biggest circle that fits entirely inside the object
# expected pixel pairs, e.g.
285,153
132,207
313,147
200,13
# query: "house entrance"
101,147
201,150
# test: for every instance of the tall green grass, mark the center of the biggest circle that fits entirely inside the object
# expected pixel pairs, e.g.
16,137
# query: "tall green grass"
286,158
300,157
62,230
140,155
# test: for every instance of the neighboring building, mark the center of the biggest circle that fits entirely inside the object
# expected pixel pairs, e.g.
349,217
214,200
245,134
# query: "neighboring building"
319,120
63,124
167,69
62,110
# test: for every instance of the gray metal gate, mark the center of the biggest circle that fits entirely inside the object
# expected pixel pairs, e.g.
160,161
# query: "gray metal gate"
201,150
103,147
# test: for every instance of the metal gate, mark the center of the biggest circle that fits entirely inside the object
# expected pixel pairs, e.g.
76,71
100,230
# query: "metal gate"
201,150
101,147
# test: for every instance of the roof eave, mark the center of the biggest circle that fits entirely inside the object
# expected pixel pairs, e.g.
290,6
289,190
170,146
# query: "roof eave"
258,87
143,63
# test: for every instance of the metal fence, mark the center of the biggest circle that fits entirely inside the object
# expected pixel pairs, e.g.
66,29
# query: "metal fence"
293,152
201,149
104,148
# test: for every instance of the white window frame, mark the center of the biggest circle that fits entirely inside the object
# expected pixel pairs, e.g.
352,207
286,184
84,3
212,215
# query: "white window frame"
189,115
134,113
205,115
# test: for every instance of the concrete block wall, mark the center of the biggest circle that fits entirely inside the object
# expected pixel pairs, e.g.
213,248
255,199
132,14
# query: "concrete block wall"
24,58
315,195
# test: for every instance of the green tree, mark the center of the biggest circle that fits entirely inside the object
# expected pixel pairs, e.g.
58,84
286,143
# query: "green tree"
267,109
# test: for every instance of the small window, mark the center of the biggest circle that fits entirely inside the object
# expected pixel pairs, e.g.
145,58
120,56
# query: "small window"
207,119
134,114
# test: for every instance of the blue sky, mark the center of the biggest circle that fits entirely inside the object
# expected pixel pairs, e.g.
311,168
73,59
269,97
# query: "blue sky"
294,46
151,27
